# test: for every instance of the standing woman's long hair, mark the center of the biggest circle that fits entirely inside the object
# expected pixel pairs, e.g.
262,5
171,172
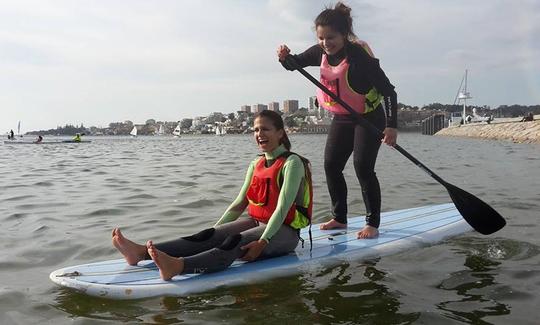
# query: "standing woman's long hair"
339,18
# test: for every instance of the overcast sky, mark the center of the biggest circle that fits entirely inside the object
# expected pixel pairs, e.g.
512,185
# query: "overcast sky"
95,62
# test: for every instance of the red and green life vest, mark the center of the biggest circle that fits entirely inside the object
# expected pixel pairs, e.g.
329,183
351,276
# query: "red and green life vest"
264,189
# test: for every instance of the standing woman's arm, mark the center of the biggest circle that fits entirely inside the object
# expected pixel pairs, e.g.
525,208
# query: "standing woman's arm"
380,81
310,57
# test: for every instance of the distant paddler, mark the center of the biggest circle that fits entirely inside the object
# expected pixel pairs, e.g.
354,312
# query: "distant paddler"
39,139
77,138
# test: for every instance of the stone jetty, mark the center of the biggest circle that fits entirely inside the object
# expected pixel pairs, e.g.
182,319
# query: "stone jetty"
519,132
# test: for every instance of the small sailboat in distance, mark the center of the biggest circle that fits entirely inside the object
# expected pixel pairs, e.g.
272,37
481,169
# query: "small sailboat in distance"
161,130
177,131
133,132
19,130
220,130
462,95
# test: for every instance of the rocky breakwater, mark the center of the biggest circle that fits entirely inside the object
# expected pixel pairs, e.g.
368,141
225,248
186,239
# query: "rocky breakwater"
519,132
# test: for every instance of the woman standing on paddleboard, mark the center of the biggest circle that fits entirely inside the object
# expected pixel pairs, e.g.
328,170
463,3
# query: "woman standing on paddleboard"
276,192
350,71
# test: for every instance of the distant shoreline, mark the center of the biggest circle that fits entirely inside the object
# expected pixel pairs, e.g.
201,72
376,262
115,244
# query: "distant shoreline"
513,130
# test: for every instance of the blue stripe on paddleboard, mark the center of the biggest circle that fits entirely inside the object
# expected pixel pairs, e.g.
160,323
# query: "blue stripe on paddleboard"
323,235
273,263
343,244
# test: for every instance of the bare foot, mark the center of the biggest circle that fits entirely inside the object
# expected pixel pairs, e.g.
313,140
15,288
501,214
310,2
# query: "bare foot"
168,266
333,224
368,232
133,252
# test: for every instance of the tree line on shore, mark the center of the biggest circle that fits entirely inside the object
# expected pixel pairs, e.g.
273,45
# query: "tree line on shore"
404,115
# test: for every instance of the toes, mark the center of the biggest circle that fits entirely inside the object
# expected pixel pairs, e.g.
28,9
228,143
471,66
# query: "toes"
151,249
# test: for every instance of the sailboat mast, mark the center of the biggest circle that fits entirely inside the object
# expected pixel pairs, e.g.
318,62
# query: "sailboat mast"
465,97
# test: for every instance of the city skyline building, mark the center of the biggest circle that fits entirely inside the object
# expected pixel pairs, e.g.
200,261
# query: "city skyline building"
257,108
290,106
273,106
245,108
312,103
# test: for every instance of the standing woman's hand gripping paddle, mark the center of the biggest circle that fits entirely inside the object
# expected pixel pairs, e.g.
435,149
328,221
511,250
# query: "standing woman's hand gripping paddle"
282,52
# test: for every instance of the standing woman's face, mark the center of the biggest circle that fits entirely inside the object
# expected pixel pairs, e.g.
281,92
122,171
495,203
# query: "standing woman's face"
266,135
330,40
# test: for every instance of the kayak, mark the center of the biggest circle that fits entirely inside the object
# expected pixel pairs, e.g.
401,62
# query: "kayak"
45,142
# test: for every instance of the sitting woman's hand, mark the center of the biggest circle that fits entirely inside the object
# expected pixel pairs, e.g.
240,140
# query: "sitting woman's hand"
254,249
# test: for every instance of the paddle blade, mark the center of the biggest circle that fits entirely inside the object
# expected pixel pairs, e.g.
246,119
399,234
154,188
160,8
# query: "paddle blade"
476,212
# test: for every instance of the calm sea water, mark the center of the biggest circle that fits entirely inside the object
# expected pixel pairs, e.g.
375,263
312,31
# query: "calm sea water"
59,203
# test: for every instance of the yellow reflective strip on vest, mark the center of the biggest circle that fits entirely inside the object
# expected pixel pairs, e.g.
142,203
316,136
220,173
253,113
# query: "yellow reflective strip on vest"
255,203
299,221
373,100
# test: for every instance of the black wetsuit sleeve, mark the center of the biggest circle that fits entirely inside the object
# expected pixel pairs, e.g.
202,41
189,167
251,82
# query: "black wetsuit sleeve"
310,57
380,81
365,72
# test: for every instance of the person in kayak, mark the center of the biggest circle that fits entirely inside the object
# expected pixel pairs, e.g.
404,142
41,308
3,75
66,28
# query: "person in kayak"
349,69
39,139
277,192
77,138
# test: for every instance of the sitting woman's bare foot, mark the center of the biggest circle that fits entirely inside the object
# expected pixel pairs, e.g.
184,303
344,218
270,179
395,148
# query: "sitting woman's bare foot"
133,252
368,232
333,224
168,266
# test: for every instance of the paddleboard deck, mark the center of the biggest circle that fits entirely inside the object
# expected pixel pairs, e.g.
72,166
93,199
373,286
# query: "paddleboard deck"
399,230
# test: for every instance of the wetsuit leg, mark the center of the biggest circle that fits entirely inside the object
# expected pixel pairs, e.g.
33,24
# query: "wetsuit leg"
283,242
366,148
204,240
339,146
220,258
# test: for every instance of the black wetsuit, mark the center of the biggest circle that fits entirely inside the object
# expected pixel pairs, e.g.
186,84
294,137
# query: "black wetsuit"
347,136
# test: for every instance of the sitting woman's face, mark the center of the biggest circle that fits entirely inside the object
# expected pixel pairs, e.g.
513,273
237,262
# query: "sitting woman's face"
268,138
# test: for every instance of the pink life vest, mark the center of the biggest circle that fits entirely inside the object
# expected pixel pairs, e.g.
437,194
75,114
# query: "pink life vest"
335,79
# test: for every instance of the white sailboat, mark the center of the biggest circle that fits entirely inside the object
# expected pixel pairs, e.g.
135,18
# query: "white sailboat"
177,131
220,130
133,131
462,95
161,130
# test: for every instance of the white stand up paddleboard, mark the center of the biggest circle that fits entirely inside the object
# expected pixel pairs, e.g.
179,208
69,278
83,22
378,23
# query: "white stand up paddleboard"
399,230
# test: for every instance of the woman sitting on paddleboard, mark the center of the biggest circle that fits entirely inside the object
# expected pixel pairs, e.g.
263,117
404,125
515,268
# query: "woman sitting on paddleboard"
277,193
349,69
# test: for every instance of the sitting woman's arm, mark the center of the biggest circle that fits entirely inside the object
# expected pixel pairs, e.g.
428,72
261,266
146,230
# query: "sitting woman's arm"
240,203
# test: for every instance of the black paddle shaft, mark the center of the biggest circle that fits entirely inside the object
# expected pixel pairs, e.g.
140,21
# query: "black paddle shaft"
482,217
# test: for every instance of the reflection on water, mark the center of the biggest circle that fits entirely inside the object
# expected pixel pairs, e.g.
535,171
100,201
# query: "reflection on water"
477,287
350,293
58,205
355,295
